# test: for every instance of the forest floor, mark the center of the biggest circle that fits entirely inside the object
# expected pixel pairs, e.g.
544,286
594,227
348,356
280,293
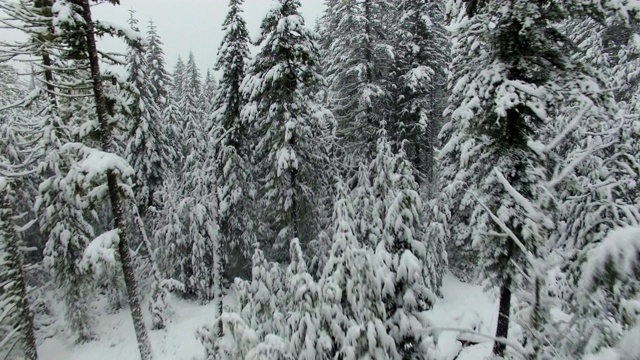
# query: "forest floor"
462,306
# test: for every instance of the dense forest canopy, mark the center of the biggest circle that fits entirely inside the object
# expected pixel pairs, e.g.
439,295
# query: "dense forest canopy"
324,194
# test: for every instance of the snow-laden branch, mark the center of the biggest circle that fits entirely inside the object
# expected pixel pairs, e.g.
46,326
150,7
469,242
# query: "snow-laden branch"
534,214
532,259
568,170
569,128
102,249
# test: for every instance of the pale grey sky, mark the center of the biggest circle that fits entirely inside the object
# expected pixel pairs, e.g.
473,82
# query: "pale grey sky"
193,25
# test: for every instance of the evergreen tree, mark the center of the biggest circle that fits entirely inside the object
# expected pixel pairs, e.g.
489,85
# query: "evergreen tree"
159,78
160,85
148,150
406,255
75,24
233,152
64,219
421,49
359,70
200,215
209,89
13,299
280,91
307,339
179,78
508,81
596,196
189,108
352,304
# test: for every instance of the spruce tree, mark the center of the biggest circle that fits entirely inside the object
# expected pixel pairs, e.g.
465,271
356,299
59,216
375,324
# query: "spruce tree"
178,79
209,89
160,85
359,65
160,79
14,297
421,56
147,150
352,300
190,111
76,25
408,257
63,218
280,91
233,151
508,81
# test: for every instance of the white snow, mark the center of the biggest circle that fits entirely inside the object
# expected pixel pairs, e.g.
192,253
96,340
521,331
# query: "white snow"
102,249
463,306
620,249
117,340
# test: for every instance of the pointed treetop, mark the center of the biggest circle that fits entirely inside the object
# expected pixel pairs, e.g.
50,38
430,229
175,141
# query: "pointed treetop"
133,22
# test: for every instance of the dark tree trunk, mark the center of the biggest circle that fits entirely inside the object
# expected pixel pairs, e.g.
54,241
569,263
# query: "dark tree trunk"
502,330
117,206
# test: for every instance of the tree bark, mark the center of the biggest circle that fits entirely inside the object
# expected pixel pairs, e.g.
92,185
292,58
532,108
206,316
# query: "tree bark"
117,206
502,328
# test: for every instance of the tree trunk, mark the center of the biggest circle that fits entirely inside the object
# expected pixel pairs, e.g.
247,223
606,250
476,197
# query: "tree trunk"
504,309
502,330
117,206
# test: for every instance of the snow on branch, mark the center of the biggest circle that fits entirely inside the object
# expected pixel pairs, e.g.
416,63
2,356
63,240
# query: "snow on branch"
535,263
94,165
101,250
534,214
619,251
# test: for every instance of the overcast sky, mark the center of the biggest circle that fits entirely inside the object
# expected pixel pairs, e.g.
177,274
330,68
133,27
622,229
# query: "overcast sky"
194,25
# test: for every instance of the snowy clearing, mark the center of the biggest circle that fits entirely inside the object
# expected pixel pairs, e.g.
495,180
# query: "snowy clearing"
462,306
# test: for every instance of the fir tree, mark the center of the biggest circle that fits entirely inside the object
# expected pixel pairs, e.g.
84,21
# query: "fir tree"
189,108
178,79
209,89
280,89
160,79
421,49
160,85
233,150
75,23
13,299
148,150
508,81
359,64
406,285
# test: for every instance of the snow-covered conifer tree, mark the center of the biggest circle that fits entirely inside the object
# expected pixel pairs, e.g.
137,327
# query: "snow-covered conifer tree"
14,302
421,57
74,23
209,89
178,79
307,338
351,306
280,91
508,81
148,150
233,151
358,65
161,88
407,257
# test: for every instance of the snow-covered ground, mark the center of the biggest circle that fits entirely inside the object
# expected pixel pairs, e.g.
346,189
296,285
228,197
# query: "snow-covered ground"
462,306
